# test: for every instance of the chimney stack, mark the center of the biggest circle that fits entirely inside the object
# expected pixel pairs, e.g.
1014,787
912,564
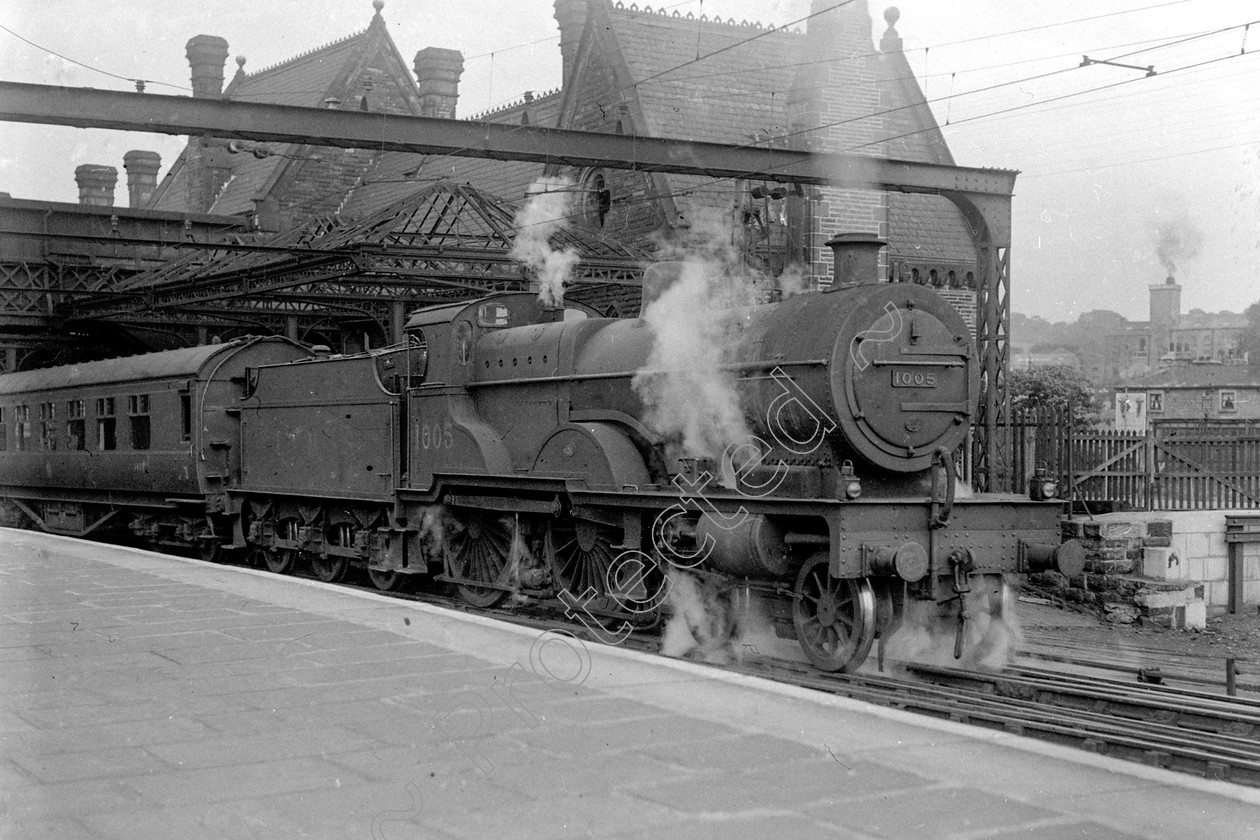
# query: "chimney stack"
571,15
142,170
857,258
437,76
207,54
96,184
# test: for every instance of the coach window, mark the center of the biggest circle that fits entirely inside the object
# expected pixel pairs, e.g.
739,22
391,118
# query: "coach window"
21,426
47,426
106,424
4,432
138,411
76,438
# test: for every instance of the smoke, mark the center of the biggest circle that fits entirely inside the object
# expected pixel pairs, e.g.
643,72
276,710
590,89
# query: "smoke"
1177,239
546,212
990,642
696,324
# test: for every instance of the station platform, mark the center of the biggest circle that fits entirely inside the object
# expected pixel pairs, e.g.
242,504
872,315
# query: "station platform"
146,696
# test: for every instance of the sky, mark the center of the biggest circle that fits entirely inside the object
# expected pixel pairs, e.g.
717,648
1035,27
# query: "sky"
1124,177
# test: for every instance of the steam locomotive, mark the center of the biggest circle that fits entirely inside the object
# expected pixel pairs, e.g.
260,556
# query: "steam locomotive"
510,447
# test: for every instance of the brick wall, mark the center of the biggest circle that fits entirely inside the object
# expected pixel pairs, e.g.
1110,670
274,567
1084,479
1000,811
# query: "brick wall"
836,94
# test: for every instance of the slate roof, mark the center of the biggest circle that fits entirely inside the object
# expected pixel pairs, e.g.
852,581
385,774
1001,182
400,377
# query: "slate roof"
928,228
395,175
306,80
1198,320
729,97
1201,376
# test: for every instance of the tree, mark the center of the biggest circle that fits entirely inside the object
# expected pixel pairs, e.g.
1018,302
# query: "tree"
1249,341
1054,388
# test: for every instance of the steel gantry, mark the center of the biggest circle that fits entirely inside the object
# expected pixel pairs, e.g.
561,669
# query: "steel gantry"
983,195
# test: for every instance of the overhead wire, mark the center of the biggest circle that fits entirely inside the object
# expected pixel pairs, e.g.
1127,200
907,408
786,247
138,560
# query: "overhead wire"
668,71
137,81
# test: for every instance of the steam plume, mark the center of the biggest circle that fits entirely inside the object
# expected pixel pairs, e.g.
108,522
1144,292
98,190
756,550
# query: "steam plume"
545,213
696,325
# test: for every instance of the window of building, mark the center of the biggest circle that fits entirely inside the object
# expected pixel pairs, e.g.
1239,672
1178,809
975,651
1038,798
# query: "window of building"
106,424
1229,401
48,426
138,411
22,426
1154,402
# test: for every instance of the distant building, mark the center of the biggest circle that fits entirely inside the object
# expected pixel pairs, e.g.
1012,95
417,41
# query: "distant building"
1171,338
1199,391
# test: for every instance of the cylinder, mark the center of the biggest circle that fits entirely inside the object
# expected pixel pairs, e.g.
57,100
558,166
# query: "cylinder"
753,548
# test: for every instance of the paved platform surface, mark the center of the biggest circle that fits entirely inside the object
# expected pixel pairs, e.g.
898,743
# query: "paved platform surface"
145,696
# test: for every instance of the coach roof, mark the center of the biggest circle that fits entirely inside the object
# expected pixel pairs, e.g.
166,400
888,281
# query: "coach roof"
185,362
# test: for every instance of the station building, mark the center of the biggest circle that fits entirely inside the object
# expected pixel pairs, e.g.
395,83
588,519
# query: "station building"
830,88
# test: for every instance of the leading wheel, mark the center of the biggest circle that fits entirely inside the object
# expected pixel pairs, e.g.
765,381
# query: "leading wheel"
478,550
834,617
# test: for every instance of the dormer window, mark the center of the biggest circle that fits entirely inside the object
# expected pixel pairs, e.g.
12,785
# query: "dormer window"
596,199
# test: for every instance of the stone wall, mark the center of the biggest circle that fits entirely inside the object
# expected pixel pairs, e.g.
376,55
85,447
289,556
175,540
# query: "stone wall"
1169,566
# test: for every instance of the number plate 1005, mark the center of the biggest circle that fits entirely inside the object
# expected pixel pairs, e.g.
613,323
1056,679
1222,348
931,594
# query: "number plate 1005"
913,379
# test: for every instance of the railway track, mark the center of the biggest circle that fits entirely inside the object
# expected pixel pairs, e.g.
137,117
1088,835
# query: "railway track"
1213,672
1192,732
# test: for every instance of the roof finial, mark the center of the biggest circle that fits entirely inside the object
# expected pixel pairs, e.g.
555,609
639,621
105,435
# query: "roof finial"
891,42
378,5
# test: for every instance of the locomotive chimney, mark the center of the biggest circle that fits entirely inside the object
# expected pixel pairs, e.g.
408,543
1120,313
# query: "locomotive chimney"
857,258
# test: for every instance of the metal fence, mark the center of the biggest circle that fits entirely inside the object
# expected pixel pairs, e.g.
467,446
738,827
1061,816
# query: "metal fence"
1172,466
